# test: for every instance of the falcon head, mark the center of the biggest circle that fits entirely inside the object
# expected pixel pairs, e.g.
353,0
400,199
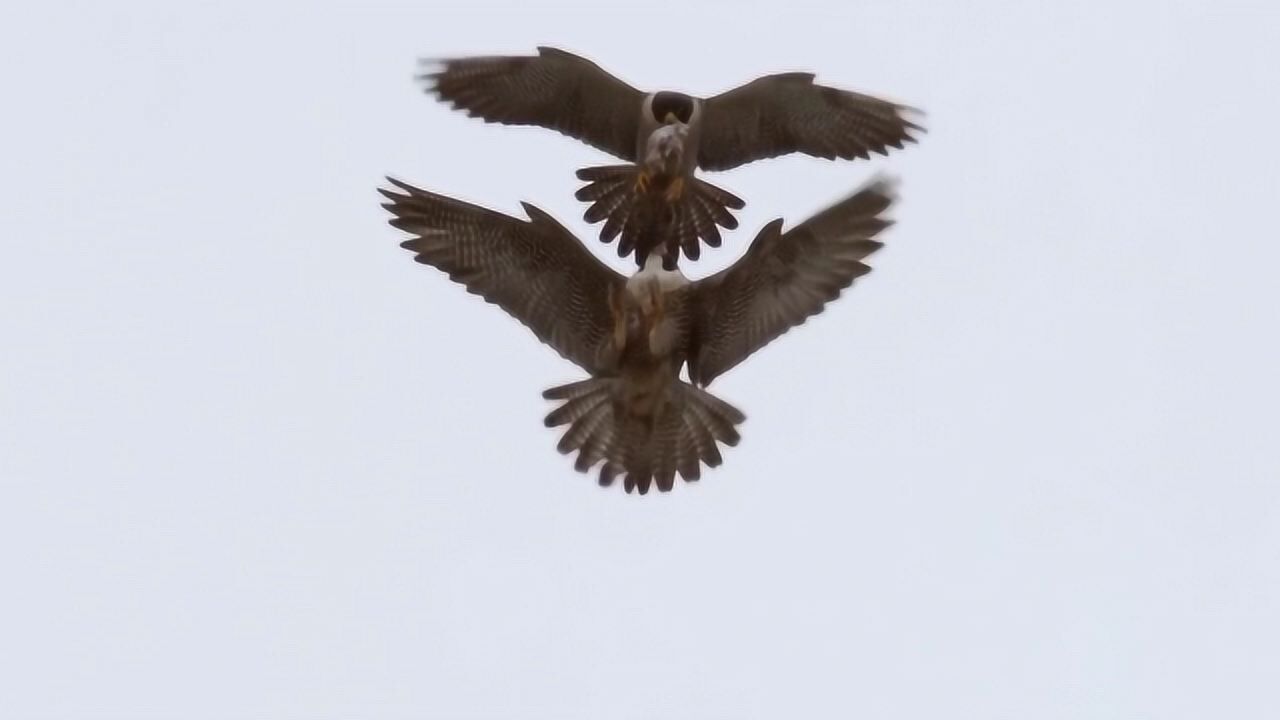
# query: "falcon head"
667,106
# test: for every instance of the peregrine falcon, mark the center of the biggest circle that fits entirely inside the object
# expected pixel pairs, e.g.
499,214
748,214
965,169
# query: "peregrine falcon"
633,335
665,136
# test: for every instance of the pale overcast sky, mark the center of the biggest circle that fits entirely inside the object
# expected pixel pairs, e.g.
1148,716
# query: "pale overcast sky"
257,463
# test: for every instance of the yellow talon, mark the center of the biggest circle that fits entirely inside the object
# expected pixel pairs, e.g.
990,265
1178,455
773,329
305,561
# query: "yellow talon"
675,189
642,182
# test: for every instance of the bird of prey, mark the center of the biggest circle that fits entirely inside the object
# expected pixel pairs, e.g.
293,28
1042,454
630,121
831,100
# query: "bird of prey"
633,335
665,136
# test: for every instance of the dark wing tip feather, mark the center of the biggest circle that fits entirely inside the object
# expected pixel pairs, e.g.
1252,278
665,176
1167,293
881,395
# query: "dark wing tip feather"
406,187
394,198
405,224
881,184
873,246
774,227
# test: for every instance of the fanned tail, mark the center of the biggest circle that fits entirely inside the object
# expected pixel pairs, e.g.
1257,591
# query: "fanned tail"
644,220
683,436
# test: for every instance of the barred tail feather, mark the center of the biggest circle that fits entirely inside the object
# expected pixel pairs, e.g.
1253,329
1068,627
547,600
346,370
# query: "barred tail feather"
646,220
685,435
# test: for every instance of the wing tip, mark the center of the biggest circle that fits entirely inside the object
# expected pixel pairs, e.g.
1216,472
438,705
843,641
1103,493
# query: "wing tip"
882,183
406,191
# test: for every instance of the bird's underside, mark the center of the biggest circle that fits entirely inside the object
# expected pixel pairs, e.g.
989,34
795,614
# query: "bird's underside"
767,117
634,416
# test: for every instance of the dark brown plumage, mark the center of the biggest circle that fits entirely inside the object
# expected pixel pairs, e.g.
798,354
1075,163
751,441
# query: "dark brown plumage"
767,117
787,113
770,116
643,221
553,89
784,279
632,335
536,270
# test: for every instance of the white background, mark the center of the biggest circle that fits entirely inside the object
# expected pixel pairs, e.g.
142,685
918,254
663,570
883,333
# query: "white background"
255,462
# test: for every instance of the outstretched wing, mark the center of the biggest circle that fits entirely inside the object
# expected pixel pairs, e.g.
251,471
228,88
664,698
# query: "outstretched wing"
535,270
780,114
553,89
782,280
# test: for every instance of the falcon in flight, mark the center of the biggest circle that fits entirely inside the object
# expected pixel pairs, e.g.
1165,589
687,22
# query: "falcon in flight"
665,136
633,335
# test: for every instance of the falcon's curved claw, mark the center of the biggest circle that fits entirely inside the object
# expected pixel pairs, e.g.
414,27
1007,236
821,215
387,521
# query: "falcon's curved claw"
642,182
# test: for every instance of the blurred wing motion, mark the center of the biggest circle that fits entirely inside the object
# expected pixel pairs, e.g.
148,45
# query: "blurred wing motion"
536,270
780,114
553,89
784,278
